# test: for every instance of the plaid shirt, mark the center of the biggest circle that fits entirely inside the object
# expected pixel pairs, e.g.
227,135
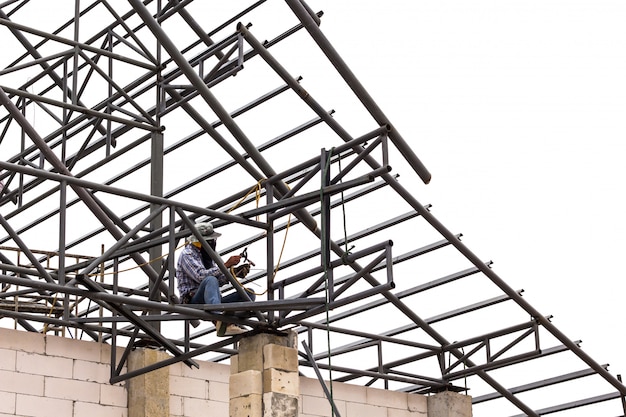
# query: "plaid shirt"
190,271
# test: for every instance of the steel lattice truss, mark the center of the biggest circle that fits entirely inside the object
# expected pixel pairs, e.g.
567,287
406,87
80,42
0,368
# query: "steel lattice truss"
125,122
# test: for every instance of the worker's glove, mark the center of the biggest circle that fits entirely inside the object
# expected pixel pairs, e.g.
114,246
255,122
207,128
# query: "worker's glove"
242,270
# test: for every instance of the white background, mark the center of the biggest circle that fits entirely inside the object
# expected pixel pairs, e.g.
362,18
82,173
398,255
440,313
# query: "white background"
517,109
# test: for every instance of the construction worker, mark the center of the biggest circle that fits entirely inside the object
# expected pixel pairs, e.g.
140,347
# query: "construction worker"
199,278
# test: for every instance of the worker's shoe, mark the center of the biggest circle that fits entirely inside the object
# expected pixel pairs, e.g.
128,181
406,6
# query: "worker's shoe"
226,329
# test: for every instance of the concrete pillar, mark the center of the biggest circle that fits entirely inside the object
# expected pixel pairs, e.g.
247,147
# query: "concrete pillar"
449,404
264,379
148,394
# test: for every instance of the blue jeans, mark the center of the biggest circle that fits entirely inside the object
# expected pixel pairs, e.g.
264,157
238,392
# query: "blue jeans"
209,293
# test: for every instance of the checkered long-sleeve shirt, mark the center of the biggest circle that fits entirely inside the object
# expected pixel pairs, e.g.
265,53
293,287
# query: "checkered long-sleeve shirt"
190,271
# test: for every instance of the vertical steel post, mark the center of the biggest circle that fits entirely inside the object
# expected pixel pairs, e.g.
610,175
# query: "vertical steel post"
325,222
269,242
156,189
172,248
109,108
73,97
62,232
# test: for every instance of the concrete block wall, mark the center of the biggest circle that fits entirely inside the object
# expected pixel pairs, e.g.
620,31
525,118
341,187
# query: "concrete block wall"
199,392
205,391
358,401
41,376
